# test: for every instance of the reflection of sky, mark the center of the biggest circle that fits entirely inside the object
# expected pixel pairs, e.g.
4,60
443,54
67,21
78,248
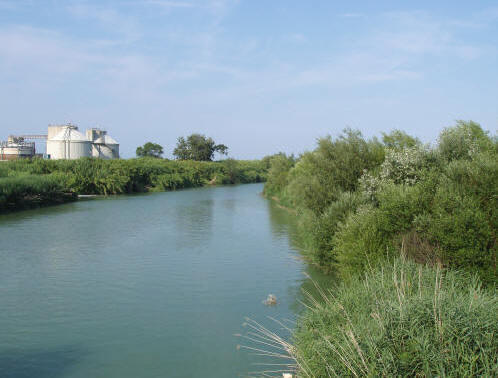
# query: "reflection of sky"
160,280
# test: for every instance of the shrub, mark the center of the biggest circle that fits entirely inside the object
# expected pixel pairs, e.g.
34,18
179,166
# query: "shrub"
318,231
463,219
335,166
278,173
463,140
373,233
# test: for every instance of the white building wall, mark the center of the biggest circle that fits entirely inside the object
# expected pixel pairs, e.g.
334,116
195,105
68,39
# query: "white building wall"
67,149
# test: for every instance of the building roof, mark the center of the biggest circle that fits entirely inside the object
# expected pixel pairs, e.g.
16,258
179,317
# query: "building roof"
70,134
105,139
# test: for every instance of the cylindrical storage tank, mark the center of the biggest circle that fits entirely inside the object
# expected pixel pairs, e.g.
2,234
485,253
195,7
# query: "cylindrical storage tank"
112,147
105,147
69,143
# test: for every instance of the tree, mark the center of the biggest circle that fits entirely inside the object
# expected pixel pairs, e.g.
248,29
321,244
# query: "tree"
150,150
399,140
198,147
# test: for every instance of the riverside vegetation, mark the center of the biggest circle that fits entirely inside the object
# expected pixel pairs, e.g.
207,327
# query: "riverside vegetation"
363,203
34,182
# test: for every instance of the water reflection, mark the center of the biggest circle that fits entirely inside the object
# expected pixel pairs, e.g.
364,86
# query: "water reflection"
40,363
193,221
284,224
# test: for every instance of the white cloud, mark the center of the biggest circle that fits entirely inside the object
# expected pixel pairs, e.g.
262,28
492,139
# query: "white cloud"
170,4
352,15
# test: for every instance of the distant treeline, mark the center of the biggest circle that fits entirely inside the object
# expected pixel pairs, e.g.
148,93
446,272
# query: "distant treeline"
32,182
362,201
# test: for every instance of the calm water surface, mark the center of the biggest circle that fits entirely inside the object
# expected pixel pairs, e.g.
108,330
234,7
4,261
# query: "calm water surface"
144,286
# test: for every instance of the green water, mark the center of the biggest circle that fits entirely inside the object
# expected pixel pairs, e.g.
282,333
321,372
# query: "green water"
144,286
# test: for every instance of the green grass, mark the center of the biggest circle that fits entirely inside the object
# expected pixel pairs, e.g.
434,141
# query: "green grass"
401,319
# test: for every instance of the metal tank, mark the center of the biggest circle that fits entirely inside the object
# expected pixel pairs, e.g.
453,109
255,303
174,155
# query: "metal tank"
67,143
103,145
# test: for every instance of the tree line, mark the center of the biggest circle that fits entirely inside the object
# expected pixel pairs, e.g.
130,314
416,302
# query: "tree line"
195,147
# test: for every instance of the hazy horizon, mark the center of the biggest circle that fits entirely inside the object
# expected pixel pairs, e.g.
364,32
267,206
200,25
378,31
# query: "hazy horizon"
258,76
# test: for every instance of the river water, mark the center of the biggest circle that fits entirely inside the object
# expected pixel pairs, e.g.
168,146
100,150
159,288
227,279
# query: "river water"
151,285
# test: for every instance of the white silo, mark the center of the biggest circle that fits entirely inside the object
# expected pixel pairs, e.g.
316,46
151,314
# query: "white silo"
112,147
68,143
103,145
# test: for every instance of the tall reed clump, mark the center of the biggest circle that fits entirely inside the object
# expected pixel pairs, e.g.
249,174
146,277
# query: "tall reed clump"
25,191
401,319
97,176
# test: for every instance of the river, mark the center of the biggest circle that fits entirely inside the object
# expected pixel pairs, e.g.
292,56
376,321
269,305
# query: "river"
152,285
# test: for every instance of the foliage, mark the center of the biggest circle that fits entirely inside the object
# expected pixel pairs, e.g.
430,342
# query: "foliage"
373,233
317,233
402,319
198,147
97,176
27,191
333,167
150,149
463,218
463,140
279,166
399,140
441,201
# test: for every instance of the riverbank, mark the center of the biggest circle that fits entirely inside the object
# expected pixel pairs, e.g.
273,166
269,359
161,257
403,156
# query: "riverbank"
35,182
360,204
401,319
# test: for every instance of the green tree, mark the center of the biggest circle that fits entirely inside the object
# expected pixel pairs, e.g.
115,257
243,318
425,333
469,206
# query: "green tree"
399,140
150,150
198,147
464,140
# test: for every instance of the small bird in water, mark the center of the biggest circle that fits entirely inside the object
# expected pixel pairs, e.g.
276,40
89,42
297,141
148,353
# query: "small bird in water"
271,300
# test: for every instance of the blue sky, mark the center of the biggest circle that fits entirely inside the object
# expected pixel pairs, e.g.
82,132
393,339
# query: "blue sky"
260,76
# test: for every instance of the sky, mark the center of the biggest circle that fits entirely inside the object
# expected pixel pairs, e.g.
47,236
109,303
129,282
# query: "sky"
260,76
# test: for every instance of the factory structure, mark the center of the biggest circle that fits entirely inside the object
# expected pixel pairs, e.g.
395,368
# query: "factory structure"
63,142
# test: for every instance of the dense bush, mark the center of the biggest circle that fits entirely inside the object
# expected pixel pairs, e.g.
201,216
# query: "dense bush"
317,232
442,200
278,167
401,320
335,166
463,141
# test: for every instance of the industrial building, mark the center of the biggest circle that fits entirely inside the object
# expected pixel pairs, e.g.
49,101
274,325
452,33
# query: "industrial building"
16,148
63,142
66,142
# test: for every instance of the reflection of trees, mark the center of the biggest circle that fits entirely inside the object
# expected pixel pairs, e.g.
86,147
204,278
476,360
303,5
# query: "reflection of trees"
284,224
312,277
193,221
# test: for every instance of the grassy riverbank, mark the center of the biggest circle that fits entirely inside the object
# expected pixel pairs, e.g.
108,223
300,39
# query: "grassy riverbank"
37,182
401,320
359,203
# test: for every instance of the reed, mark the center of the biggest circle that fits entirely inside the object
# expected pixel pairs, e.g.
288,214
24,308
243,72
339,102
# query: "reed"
399,319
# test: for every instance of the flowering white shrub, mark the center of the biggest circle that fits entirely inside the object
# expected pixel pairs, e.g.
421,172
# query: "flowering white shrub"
399,167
